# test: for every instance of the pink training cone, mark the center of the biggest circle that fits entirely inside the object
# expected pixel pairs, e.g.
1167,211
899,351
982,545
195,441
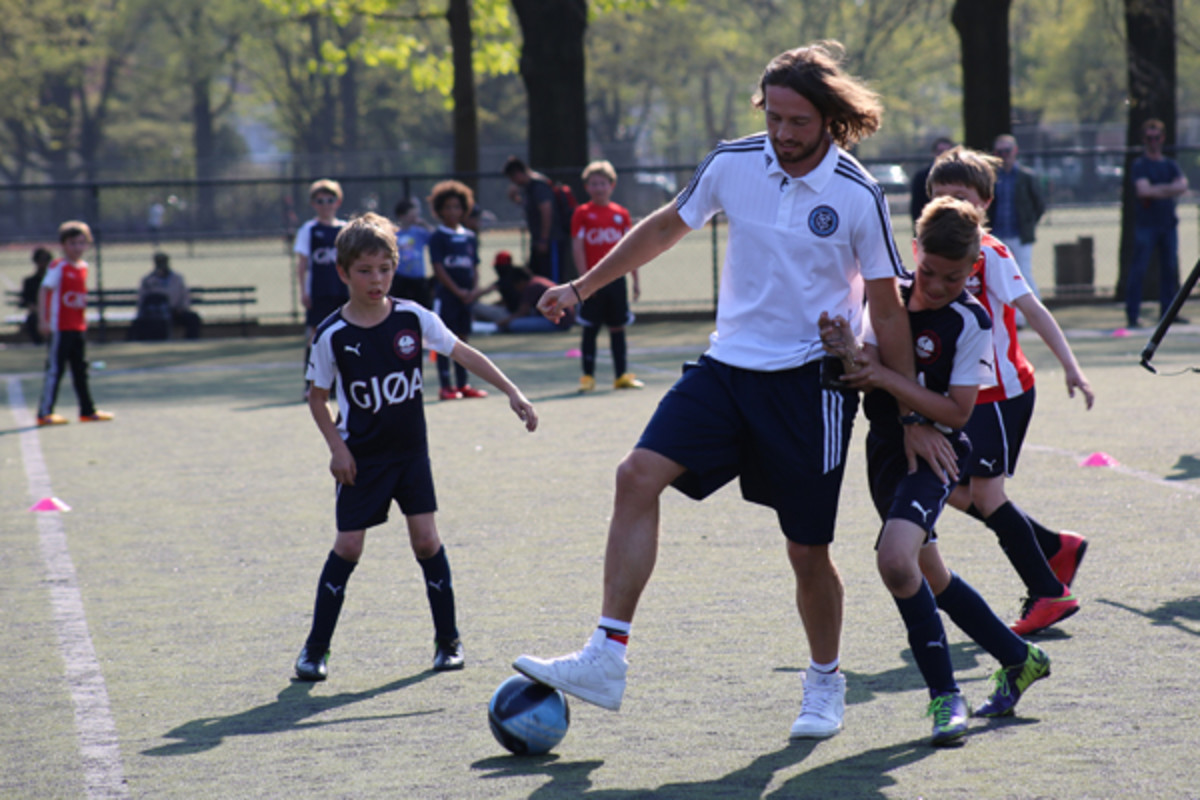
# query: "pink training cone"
49,504
1099,459
574,352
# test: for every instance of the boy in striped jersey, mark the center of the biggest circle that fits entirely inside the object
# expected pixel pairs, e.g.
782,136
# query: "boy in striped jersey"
1045,560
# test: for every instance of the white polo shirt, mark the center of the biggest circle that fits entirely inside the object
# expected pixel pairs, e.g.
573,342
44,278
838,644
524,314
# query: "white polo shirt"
797,247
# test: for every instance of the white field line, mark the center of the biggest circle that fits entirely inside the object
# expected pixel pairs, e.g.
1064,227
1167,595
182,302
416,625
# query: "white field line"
98,744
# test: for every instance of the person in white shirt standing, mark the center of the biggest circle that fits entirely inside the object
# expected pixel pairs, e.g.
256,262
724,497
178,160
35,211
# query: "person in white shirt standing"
808,232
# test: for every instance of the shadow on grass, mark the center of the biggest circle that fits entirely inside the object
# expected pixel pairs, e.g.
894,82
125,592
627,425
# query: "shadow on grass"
1187,468
1171,613
292,706
861,776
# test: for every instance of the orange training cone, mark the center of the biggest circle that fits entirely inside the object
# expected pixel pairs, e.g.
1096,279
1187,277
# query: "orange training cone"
49,504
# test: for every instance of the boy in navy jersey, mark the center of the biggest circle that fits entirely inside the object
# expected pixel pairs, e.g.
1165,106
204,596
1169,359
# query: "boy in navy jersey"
951,338
321,291
455,256
371,349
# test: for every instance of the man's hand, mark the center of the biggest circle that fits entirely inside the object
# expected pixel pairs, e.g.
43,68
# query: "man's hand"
557,300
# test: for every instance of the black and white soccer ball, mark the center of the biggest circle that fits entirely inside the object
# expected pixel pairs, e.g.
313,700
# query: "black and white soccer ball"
527,717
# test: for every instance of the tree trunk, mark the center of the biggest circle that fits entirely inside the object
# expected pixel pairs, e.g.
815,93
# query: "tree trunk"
466,118
1150,55
982,27
204,143
552,68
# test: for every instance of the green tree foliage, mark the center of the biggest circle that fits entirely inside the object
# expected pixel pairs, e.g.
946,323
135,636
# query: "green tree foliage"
681,77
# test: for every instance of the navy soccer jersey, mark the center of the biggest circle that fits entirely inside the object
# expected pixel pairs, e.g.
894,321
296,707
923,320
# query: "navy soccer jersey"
456,251
316,241
951,347
377,372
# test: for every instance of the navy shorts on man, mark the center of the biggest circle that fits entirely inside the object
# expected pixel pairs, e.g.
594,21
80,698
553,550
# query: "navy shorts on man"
721,422
408,481
996,431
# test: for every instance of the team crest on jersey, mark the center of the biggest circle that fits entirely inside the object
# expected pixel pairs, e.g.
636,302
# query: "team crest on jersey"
974,284
823,221
928,346
407,345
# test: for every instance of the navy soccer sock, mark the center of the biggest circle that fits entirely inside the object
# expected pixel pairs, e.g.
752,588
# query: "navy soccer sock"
1047,539
440,592
331,593
927,638
588,349
974,617
1020,545
619,352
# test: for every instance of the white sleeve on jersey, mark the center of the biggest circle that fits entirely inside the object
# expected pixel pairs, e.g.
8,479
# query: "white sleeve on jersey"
303,243
973,356
438,337
53,275
322,368
698,203
1003,280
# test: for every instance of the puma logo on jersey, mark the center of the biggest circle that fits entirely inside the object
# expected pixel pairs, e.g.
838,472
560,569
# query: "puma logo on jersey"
924,512
356,349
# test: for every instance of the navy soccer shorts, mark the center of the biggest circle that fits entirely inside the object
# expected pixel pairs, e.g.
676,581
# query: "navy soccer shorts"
919,497
997,431
365,504
609,306
783,436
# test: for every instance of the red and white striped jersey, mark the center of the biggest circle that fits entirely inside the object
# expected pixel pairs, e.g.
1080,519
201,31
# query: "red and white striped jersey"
996,282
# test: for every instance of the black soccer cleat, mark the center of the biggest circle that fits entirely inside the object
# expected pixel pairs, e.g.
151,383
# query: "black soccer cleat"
311,667
448,656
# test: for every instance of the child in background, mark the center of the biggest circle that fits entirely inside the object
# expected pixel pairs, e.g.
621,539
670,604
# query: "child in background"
62,317
371,349
1045,560
952,357
596,227
412,235
321,292
455,261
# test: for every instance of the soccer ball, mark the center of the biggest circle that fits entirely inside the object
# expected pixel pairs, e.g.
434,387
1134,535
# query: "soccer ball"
528,717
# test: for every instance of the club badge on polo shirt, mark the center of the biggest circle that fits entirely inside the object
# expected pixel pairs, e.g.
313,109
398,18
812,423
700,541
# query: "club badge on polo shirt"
823,221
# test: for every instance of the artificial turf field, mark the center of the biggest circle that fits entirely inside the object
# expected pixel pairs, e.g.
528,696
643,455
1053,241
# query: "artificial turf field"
149,632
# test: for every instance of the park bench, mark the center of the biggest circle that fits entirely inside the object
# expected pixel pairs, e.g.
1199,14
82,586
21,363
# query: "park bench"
100,301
